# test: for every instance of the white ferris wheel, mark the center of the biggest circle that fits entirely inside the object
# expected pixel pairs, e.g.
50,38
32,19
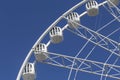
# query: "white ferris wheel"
82,44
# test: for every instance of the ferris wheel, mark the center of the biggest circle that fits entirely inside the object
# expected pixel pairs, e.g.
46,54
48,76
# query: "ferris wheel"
82,44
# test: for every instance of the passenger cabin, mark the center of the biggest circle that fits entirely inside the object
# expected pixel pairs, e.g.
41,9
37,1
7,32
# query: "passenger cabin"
113,2
73,20
56,35
29,72
92,8
40,52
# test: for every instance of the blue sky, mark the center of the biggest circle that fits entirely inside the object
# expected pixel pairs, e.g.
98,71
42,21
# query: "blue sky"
21,23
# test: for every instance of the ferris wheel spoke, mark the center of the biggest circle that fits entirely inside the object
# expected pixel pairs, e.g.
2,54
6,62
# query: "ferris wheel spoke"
108,36
44,34
104,70
114,6
92,50
69,76
110,10
91,32
102,27
74,63
83,61
113,32
88,66
113,69
100,38
56,62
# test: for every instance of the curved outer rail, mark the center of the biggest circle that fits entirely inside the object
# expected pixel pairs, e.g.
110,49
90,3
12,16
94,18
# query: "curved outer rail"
47,30
42,36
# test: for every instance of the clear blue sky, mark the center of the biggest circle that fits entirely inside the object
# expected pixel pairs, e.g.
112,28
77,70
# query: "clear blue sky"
21,23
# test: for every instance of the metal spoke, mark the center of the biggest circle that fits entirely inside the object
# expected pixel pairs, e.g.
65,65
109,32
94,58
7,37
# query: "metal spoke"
85,69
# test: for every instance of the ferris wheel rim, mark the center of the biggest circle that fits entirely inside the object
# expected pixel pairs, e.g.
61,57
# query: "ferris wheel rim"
40,38
46,31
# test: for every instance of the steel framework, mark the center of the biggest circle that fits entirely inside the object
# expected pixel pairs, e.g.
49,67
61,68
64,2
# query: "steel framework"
80,64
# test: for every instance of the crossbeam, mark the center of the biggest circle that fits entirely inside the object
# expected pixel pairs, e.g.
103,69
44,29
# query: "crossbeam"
88,66
97,39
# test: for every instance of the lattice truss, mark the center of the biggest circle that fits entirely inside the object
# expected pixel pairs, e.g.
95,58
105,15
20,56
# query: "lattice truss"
79,64
106,68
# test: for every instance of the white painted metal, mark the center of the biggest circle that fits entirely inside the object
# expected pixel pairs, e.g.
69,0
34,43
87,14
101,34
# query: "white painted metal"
89,65
56,35
113,2
101,37
29,72
113,9
92,8
72,19
57,63
43,35
40,52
